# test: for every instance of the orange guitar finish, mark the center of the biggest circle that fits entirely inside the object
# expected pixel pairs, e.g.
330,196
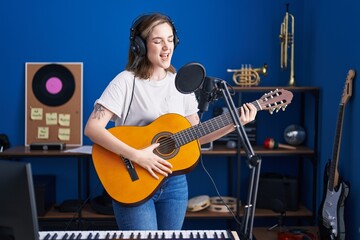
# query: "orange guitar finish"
112,170
179,145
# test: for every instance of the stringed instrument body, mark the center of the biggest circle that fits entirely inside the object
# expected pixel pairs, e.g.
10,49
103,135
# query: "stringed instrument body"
331,212
129,184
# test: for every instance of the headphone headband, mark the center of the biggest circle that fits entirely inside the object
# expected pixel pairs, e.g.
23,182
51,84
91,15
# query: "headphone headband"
137,43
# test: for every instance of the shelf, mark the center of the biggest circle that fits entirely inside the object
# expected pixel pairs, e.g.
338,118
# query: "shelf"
302,212
56,214
271,88
24,152
220,149
89,213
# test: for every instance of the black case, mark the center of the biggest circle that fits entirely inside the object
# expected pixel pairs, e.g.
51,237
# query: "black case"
277,192
45,192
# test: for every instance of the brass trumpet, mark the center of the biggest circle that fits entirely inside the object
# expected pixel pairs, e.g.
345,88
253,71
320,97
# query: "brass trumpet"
248,76
286,40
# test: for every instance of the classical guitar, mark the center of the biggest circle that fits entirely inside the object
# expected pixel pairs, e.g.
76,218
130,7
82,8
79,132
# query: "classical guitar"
130,184
331,215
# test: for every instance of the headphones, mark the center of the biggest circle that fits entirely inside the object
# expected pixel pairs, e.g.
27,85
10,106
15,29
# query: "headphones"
137,43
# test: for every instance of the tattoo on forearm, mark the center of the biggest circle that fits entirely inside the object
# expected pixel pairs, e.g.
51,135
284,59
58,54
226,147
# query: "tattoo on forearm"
99,111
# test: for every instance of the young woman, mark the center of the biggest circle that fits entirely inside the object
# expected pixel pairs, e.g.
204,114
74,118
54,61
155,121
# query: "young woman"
137,96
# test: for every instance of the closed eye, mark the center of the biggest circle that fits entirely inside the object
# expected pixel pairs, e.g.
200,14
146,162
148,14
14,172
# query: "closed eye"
159,40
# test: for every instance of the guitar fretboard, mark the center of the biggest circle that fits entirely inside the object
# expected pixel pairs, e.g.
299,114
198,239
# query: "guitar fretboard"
203,129
333,178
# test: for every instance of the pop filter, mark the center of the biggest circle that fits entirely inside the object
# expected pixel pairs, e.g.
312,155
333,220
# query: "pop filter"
189,77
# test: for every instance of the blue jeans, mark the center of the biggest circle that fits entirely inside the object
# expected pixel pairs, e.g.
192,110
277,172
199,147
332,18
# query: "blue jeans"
164,211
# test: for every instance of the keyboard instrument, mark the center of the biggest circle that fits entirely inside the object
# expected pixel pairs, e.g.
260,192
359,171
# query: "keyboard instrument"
134,235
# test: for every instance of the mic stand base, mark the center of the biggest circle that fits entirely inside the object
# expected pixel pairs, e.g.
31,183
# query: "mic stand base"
278,225
254,162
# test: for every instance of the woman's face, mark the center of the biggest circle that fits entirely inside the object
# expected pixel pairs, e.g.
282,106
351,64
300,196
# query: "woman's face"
160,46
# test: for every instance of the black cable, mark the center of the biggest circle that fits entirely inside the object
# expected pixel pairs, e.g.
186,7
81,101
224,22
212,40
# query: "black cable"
217,191
132,96
77,212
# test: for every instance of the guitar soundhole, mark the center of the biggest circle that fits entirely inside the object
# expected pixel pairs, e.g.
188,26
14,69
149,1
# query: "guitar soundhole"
167,148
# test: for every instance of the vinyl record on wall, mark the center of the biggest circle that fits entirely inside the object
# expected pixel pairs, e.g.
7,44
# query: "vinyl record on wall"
53,85
53,100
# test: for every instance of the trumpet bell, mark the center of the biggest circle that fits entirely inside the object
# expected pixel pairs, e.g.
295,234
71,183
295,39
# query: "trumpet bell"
248,76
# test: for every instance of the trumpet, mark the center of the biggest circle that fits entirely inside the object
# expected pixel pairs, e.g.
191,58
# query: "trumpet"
248,76
286,40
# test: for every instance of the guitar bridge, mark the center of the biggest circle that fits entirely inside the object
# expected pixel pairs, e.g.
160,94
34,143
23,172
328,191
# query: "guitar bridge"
131,169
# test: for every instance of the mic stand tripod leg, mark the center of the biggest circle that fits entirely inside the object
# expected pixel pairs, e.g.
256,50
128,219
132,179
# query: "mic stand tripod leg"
254,165
279,224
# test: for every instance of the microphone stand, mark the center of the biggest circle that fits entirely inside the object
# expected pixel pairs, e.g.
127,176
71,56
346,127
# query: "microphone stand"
254,164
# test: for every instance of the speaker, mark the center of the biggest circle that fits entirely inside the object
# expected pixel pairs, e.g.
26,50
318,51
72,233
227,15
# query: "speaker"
137,43
277,191
45,192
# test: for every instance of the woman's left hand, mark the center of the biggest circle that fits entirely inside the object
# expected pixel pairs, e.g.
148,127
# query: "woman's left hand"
247,113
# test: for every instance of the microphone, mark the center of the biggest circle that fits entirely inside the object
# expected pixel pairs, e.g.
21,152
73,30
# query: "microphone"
206,94
189,77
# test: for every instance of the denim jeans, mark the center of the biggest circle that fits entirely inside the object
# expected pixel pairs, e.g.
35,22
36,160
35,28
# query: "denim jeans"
164,211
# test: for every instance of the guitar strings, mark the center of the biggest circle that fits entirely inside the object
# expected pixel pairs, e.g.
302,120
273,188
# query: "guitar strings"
183,137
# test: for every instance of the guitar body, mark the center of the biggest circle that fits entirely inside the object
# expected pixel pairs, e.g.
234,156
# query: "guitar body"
113,172
331,211
130,184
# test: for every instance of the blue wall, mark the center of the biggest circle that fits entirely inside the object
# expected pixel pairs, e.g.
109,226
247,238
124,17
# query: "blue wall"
218,34
331,38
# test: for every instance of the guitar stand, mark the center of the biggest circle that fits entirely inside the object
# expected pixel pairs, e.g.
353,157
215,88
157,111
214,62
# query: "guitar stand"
254,163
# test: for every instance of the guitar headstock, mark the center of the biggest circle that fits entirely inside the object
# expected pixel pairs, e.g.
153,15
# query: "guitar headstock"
347,92
275,100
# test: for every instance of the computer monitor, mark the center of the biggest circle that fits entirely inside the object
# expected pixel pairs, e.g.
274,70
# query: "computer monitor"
18,216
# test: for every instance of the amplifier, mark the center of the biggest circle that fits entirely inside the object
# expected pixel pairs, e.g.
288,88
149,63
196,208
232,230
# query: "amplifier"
277,192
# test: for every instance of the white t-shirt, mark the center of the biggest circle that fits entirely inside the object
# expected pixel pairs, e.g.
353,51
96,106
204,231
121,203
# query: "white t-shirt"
151,99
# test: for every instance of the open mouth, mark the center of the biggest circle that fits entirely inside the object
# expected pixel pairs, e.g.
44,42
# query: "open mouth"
164,56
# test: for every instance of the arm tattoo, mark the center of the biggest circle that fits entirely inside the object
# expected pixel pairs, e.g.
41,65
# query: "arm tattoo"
99,111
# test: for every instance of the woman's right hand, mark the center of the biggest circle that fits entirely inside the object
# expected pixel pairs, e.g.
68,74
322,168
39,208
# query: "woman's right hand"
147,159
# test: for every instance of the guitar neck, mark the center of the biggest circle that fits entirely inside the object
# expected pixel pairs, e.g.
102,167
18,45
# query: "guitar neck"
347,92
333,171
202,129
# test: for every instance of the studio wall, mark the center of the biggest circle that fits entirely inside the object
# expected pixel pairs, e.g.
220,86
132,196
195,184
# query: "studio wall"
218,34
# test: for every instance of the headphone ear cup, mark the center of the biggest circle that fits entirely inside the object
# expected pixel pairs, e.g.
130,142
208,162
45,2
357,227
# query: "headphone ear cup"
138,46
176,39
